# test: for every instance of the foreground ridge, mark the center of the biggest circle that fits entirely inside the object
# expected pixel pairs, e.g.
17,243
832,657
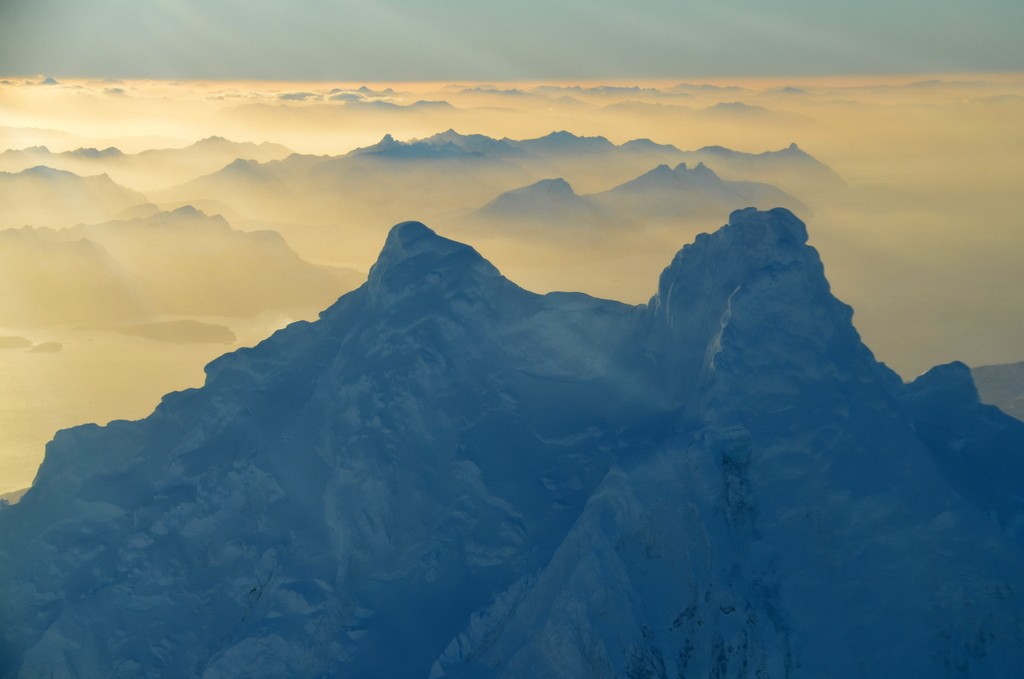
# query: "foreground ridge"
449,476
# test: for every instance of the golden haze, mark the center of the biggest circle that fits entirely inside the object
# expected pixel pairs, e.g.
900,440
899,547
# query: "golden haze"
924,241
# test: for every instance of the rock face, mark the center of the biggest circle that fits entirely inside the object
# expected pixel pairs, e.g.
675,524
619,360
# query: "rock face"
1002,385
446,475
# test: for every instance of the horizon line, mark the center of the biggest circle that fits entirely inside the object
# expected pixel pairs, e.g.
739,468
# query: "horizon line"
848,79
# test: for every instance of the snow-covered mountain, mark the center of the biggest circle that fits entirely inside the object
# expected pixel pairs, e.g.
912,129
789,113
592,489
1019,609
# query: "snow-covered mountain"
434,148
1002,385
449,476
594,163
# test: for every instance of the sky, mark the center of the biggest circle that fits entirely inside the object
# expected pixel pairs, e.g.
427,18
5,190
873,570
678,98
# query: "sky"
386,40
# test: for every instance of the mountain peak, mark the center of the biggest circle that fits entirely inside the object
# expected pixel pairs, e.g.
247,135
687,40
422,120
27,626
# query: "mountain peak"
440,146
753,239
561,135
699,170
46,171
793,151
242,164
663,175
445,472
563,139
407,234
188,211
449,135
952,380
779,224
556,187
662,171
729,290
645,144
212,140
249,169
716,149
472,145
551,200
717,264
97,153
415,260
386,143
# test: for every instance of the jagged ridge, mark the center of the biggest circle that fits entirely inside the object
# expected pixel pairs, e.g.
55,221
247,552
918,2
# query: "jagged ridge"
447,475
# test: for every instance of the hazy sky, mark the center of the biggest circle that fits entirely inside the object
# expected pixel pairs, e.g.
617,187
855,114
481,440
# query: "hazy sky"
485,39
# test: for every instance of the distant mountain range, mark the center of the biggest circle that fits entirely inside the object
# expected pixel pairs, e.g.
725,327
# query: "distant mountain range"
43,196
74,281
791,168
147,170
443,175
662,195
180,262
450,173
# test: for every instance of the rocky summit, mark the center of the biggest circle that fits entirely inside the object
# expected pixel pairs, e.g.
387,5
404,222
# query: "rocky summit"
449,476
